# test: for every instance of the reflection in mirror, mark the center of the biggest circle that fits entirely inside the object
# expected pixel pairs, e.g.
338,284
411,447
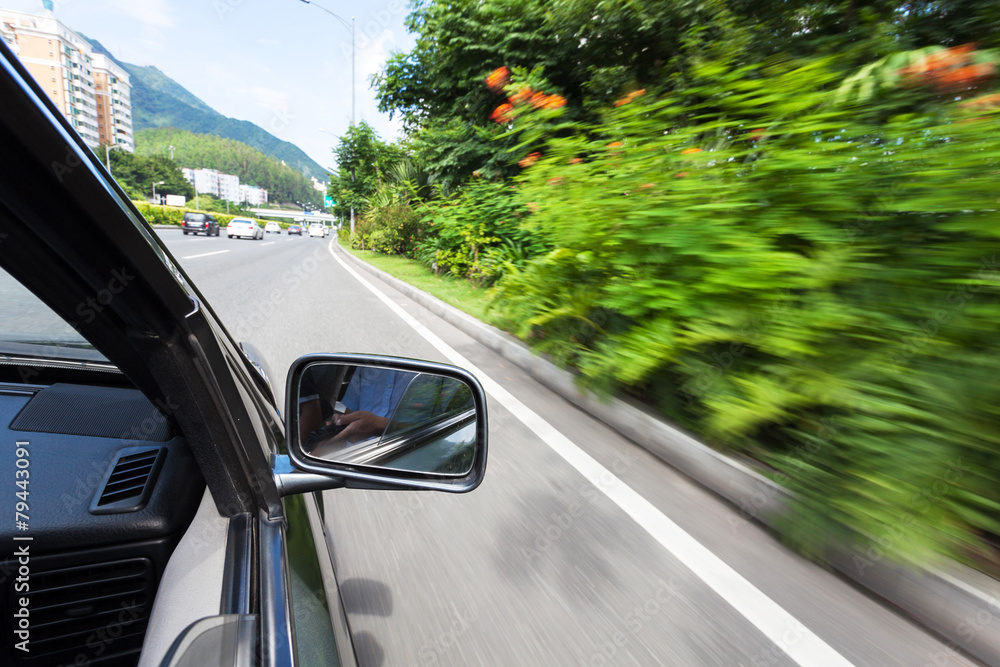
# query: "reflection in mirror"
387,418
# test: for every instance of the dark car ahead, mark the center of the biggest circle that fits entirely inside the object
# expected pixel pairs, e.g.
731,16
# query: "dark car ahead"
200,223
160,510
295,229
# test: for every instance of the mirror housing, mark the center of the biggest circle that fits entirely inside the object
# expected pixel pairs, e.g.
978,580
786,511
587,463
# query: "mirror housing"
411,441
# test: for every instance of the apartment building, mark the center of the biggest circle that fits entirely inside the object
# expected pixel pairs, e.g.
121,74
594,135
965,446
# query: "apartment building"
113,95
253,195
66,68
224,186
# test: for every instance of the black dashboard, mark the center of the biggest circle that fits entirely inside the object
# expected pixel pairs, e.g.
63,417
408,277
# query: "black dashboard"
97,489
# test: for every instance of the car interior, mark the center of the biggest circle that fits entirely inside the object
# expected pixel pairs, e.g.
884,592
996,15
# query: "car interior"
113,488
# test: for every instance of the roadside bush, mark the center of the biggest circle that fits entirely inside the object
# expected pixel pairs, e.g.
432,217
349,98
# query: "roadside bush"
171,215
392,229
812,282
476,233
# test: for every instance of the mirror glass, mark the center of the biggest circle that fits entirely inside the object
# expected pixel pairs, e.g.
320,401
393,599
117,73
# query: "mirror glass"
387,418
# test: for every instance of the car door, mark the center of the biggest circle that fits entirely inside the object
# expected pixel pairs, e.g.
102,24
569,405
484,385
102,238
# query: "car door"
247,577
70,236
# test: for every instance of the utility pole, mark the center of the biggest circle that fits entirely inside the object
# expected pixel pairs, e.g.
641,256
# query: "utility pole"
354,57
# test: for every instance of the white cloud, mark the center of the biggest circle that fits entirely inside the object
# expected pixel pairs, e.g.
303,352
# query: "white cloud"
265,98
150,13
376,51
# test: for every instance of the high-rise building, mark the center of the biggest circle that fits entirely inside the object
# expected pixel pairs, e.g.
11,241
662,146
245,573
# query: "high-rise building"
65,66
253,195
113,94
223,186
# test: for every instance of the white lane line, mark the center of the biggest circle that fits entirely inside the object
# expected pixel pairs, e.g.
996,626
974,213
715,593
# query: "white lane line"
786,631
205,254
268,243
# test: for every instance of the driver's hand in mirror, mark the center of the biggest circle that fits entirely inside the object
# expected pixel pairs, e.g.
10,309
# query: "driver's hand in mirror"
359,424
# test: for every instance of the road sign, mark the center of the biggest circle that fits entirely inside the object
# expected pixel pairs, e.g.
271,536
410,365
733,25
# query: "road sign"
328,202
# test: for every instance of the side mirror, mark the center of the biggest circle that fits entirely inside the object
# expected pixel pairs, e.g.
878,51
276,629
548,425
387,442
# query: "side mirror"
382,423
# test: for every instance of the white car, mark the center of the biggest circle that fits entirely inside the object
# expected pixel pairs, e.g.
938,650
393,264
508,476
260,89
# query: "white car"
317,229
245,228
272,227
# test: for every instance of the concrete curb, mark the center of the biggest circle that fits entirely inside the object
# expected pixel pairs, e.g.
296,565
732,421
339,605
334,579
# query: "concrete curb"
957,603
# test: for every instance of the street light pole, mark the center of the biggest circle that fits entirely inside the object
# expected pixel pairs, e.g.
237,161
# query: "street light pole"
155,183
354,52
107,154
354,56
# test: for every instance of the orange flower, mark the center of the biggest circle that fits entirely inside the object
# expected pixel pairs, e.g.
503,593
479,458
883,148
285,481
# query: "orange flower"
538,99
503,113
575,160
497,79
987,102
646,186
555,102
556,180
688,151
521,95
631,96
949,70
615,144
530,160
681,174
533,206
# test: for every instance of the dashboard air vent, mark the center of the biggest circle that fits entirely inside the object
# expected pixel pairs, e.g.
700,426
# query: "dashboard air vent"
91,612
129,481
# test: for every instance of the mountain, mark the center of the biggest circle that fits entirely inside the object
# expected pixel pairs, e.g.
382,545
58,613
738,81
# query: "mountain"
205,151
159,101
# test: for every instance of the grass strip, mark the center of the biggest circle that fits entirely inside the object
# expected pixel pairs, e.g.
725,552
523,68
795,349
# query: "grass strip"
456,292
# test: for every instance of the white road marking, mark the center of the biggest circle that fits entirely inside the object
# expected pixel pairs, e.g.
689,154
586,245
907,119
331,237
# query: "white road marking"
268,243
205,254
786,631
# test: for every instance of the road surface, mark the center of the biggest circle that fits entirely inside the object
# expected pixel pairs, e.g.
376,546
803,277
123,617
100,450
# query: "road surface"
579,548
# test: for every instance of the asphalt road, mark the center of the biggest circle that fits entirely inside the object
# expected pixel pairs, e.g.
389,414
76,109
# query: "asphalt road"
578,549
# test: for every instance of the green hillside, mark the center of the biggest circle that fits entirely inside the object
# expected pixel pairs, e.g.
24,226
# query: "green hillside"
206,151
159,101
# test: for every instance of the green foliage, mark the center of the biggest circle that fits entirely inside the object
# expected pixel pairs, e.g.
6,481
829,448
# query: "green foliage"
363,160
137,174
810,283
391,222
476,234
172,215
205,151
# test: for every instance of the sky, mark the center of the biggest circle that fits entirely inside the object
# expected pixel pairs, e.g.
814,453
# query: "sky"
282,64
